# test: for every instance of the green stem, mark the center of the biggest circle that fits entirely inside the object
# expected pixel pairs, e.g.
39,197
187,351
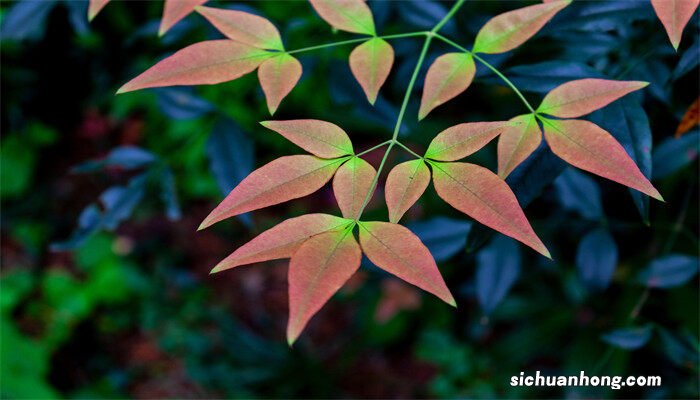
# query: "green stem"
373,148
448,16
451,43
408,150
506,80
360,40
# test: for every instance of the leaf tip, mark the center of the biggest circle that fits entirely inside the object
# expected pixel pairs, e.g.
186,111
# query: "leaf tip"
205,224
452,302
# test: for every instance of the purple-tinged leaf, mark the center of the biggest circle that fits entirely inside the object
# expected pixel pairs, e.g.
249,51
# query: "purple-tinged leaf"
321,138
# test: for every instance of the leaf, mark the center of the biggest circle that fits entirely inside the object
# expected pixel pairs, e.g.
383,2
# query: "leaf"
347,15
596,259
318,269
517,142
509,30
583,96
669,271
321,138
425,14
352,184
443,236
545,76
174,11
283,179
628,338
231,154
404,185
371,63
204,63
89,222
282,240
448,76
578,192
180,103
674,154
461,140
534,174
94,7
587,146
244,27
25,20
398,251
482,195
278,76
119,201
688,61
674,15
690,119
678,347
168,195
126,157
497,269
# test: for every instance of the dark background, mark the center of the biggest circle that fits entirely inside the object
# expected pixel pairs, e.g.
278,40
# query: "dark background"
105,285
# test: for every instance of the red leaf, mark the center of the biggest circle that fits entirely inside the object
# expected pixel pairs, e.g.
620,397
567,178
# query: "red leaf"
509,30
204,63
346,15
585,145
674,15
318,269
278,76
95,7
397,250
282,240
462,140
404,186
321,138
583,96
448,76
482,195
244,27
283,179
371,63
690,119
351,185
174,11
516,143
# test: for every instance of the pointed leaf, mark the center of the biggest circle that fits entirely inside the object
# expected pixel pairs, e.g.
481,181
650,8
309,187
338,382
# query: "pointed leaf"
628,338
244,27
669,271
318,269
204,63
278,76
174,11
461,140
674,15
579,192
95,7
690,119
321,138
673,154
511,29
587,146
596,259
346,15
448,76
404,186
497,269
283,179
371,63
443,236
482,195
398,251
282,240
517,142
583,96
351,185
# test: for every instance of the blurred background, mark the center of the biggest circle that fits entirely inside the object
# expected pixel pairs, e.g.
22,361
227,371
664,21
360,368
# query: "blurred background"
105,282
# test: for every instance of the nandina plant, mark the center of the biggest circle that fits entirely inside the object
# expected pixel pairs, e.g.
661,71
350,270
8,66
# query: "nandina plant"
323,248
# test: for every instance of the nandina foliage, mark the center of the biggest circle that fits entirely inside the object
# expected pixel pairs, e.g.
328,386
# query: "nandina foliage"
323,248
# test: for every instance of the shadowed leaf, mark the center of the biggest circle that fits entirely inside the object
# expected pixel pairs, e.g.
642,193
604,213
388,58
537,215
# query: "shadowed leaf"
371,63
596,259
346,15
517,142
244,27
404,186
583,96
461,140
278,76
321,138
628,338
674,154
497,269
174,11
669,271
674,15
94,7
351,185
448,76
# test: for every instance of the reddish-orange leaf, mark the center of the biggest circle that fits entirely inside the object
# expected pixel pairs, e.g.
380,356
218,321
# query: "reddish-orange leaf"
244,27
690,119
95,7
674,15
583,96
511,29
282,240
204,63
404,186
321,138
397,250
462,140
278,76
346,15
351,185
517,142
585,145
174,11
283,179
482,195
448,76
318,269
371,63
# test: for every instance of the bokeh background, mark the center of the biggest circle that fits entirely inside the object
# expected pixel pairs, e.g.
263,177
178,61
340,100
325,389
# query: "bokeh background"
105,290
